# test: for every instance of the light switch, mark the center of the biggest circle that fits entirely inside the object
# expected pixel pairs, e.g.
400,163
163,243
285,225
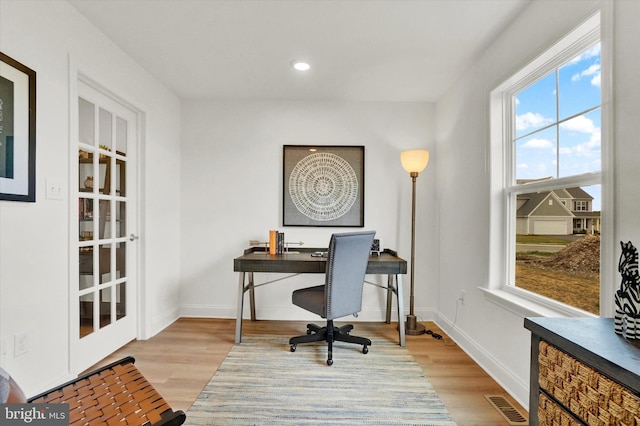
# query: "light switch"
54,189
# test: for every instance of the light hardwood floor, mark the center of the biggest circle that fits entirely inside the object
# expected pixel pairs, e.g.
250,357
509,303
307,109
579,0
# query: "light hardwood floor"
180,360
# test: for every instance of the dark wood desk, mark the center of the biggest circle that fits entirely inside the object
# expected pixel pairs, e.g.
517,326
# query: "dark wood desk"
300,261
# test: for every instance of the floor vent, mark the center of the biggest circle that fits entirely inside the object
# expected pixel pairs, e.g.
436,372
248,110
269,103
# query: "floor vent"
508,411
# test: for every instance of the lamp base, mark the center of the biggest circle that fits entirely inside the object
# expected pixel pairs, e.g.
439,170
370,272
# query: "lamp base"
412,327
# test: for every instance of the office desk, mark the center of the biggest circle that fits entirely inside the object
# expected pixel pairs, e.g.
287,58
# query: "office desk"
300,261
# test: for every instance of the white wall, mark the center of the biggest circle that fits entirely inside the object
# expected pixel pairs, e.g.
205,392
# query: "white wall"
494,336
48,36
232,193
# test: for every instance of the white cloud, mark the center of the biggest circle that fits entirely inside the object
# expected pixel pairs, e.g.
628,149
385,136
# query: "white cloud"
593,70
590,148
531,120
538,143
580,124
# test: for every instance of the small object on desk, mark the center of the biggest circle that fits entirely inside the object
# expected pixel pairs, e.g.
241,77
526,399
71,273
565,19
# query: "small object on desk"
376,246
273,237
319,254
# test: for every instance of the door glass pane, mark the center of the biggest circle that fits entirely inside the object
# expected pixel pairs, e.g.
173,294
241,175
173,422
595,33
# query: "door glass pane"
85,222
121,136
121,300
105,307
87,121
104,171
121,260
86,314
85,171
106,130
86,267
105,263
121,219
104,230
120,177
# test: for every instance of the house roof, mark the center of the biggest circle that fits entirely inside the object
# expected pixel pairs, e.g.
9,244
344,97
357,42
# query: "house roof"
579,193
535,200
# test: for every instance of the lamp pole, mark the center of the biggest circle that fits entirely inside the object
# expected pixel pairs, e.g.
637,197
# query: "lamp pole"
413,161
412,327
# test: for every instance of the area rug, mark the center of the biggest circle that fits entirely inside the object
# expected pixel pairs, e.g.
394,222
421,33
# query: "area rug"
261,382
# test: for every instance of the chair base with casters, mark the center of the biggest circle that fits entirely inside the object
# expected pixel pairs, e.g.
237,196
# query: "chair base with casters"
330,334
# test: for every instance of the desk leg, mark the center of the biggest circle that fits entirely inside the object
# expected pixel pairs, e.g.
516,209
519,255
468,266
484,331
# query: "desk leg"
252,297
390,290
240,303
399,297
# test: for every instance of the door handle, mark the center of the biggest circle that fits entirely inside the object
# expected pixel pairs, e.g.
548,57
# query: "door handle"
133,237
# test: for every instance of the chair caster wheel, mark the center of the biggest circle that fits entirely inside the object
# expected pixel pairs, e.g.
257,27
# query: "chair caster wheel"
365,349
308,332
293,348
329,362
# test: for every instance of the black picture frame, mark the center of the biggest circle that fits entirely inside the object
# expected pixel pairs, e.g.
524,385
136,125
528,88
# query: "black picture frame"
323,185
17,131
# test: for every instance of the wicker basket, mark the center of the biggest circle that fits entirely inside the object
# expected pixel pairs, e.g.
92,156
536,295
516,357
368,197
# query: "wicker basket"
594,398
551,414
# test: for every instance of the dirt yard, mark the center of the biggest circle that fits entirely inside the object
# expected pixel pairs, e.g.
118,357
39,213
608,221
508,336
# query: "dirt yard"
571,276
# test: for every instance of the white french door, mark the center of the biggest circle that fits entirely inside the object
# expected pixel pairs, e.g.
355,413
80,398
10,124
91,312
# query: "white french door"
103,301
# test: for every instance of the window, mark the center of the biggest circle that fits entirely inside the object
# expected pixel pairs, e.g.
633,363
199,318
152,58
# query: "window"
546,175
582,206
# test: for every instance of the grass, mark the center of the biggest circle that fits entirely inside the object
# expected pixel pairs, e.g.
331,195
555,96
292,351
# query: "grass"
579,291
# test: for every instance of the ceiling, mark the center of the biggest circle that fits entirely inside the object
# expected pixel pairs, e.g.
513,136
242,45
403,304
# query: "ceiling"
359,50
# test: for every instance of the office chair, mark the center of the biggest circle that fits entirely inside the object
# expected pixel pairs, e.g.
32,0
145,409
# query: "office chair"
341,295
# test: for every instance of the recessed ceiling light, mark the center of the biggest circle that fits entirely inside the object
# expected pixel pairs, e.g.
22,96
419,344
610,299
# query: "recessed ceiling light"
300,65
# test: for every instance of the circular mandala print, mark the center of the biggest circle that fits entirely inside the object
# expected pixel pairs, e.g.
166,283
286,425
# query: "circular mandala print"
323,186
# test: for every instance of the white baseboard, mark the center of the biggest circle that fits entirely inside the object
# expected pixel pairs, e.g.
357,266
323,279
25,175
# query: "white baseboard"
510,382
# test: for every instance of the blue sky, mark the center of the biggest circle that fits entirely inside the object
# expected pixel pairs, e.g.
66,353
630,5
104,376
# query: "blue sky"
545,150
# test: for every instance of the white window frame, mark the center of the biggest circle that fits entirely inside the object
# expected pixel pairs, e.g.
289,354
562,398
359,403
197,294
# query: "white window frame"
500,288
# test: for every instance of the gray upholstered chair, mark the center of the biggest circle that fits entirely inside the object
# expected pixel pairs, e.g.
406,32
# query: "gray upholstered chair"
341,295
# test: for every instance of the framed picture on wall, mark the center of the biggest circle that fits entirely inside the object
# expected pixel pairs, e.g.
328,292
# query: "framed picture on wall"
323,185
17,131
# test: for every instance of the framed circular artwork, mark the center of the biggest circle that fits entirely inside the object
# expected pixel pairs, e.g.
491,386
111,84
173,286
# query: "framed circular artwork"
323,185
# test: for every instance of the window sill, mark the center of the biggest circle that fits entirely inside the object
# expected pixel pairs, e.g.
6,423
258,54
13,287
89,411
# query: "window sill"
524,306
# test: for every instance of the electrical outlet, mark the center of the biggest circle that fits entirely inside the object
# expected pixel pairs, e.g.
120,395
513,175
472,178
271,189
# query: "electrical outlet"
20,344
463,293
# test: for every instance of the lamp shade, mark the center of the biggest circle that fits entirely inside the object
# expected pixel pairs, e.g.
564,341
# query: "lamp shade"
414,160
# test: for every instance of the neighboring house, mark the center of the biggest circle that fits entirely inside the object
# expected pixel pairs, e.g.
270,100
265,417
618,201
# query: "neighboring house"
559,212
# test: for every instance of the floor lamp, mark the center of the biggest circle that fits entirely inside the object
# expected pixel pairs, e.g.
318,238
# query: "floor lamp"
413,161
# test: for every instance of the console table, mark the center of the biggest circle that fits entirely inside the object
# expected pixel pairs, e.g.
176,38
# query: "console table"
300,261
582,373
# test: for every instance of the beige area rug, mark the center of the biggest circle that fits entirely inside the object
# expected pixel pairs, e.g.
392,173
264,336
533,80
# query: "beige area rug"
261,382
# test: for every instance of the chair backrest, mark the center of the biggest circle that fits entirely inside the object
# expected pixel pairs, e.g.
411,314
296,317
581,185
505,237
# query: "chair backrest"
347,260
